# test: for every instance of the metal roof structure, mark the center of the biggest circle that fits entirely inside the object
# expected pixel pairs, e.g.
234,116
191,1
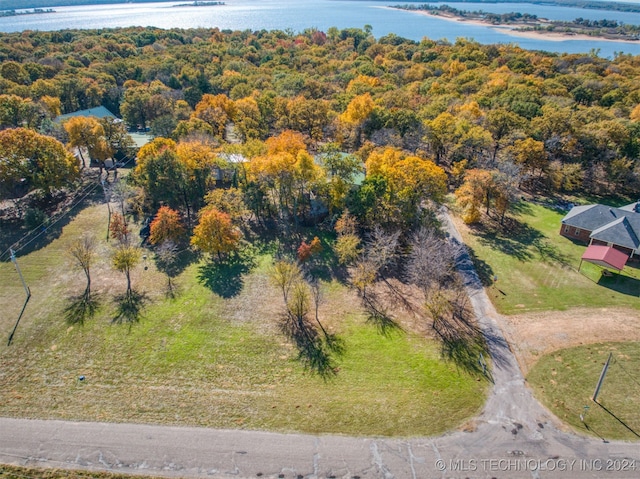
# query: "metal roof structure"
98,112
605,256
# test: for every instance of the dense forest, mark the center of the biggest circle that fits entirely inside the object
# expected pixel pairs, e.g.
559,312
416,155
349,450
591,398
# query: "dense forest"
562,123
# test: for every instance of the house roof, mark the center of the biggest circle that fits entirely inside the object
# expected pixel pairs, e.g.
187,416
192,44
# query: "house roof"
635,207
618,232
98,112
620,226
605,256
591,217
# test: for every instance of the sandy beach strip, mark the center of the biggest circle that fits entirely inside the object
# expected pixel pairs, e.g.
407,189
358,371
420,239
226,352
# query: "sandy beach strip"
511,29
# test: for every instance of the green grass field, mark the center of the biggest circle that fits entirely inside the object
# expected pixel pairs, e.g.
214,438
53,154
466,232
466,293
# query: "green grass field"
212,356
537,269
18,472
565,382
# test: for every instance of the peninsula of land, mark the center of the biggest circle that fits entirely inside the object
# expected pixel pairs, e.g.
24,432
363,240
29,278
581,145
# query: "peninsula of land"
531,26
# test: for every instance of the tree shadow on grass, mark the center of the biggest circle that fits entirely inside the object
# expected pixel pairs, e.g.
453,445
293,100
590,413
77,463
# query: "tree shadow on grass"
463,343
172,262
225,277
549,253
513,239
521,208
129,307
315,350
509,246
379,317
81,308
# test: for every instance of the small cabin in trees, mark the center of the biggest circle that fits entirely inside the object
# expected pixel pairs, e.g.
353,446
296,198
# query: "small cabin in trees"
605,225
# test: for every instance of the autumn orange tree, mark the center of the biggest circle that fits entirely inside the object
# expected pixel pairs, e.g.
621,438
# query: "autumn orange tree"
307,250
215,233
118,228
166,226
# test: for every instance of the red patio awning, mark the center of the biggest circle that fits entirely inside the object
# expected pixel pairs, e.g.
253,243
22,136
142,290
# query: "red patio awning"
605,256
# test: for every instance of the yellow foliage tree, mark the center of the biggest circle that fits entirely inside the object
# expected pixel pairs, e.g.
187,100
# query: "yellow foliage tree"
151,150
87,132
410,179
288,141
40,159
363,83
216,110
530,154
477,188
358,110
215,233
247,118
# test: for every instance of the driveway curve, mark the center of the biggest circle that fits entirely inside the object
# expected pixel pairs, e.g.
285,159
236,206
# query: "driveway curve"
514,437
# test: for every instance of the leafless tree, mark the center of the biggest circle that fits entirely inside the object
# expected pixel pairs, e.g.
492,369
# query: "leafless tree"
122,192
316,296
381,248
166,259
431,259
83,252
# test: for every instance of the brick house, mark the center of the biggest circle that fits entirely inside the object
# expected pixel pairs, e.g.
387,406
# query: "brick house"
605,225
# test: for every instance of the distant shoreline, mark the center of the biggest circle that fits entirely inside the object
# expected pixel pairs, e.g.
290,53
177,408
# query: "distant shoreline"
35,11
513,29
199,4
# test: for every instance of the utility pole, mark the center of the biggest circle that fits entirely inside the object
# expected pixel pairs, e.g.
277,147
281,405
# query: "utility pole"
26,289
601,380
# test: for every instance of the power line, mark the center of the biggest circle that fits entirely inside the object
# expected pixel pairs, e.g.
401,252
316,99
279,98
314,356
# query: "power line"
44,229
625,370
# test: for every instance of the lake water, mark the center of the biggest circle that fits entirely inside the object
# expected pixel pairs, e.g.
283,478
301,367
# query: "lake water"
298,15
